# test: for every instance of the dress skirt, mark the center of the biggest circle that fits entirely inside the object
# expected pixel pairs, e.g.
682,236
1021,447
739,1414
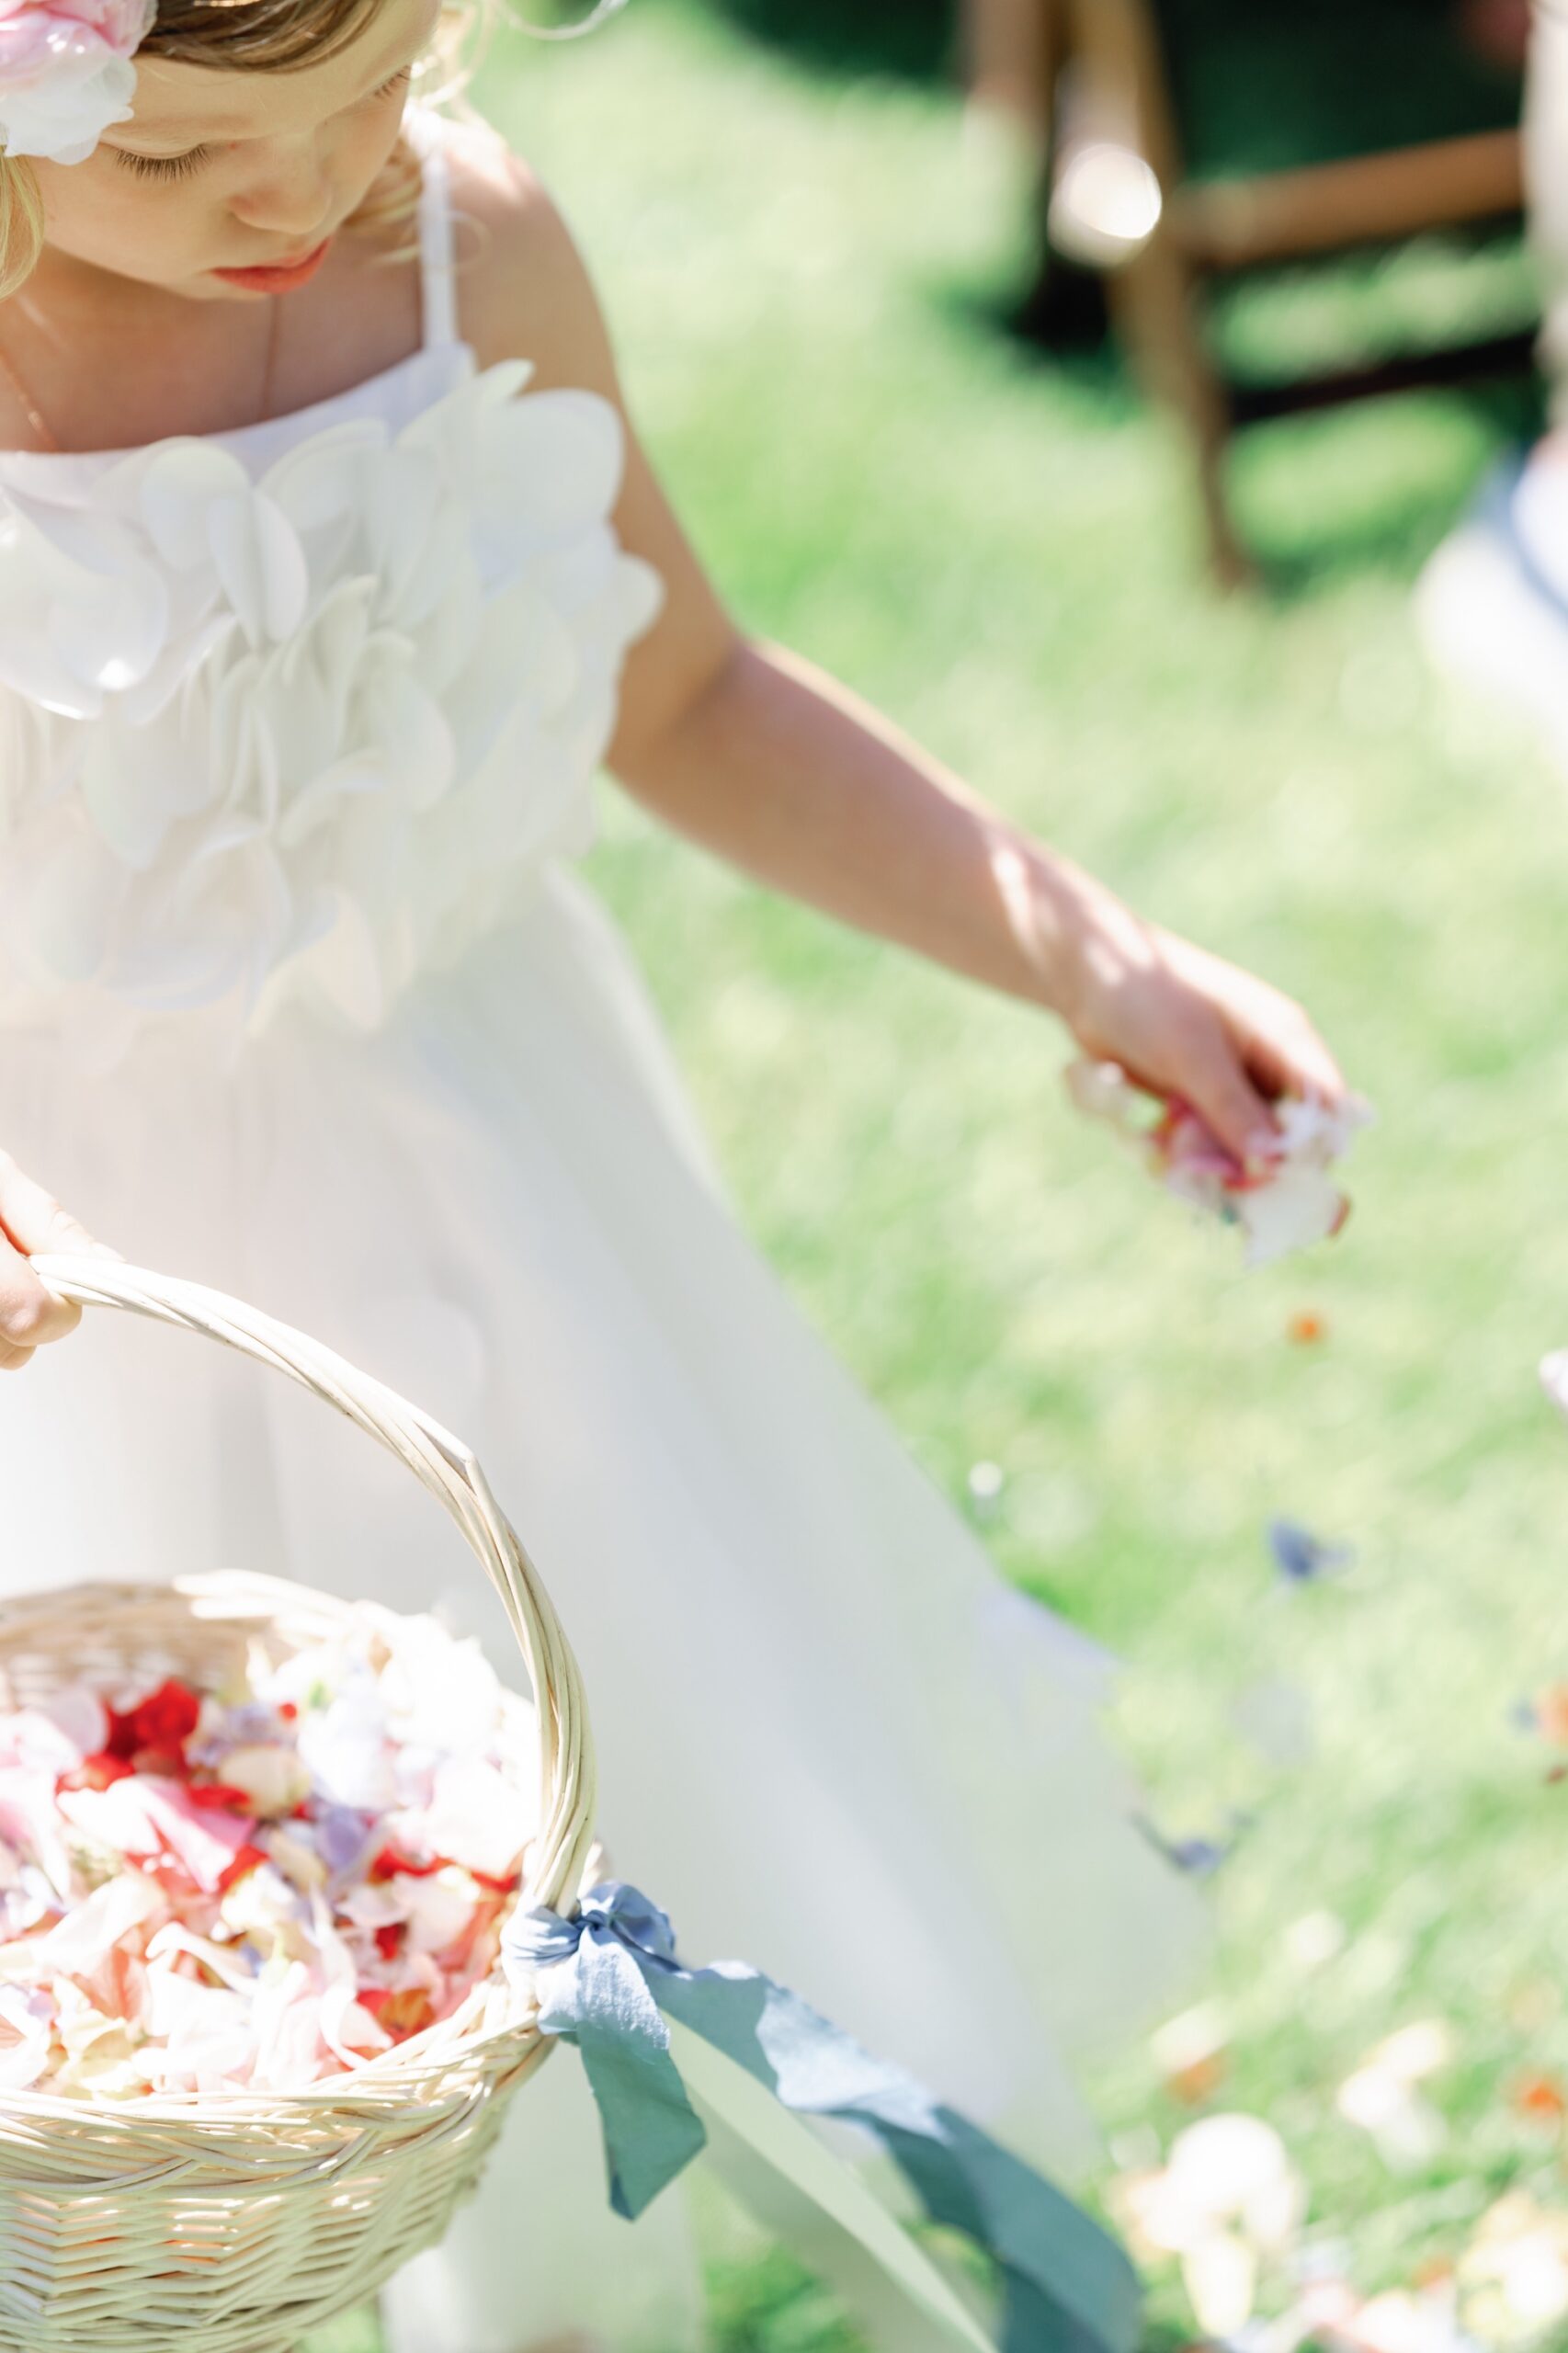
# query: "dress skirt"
833,1742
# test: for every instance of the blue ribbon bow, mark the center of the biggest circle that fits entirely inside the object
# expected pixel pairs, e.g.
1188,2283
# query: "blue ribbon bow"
607,1979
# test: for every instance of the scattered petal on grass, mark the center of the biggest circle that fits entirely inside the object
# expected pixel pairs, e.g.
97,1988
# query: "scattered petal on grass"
1198,1856
1153,2217
1407,2132
1225,2164
1546,1714
1416,2051
1517,2269
985,1483
1192,2052
1540,2100
1300,1557
1554,1378
1327,2306
1315,1940
1402,2322
1221,2278
1381,2099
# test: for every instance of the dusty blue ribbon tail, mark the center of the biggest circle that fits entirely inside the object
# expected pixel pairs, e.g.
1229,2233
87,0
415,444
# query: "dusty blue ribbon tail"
608,1980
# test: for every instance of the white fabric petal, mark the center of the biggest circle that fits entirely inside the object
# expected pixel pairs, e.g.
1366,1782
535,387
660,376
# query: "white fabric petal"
318,483
173,487
260,562
286,738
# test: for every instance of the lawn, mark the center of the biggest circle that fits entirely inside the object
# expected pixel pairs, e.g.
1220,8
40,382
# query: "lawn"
808,270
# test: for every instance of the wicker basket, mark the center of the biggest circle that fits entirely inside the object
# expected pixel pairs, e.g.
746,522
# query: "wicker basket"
235,2223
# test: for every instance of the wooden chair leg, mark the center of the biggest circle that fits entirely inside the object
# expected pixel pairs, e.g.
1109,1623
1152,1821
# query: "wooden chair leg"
1156,304
1155,296
1010,47
1064,306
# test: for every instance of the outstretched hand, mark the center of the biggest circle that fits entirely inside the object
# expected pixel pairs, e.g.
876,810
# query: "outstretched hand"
1184,1023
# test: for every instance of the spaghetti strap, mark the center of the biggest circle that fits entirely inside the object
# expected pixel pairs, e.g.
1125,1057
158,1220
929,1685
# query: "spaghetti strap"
437,271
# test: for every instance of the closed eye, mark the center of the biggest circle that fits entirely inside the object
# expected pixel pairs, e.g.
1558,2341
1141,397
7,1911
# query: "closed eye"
163,168
182,167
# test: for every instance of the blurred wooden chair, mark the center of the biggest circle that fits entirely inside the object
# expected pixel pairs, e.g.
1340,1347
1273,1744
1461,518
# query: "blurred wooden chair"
1162,237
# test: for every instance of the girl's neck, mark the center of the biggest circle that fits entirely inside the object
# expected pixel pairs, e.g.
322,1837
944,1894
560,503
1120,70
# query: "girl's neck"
65,294
114,363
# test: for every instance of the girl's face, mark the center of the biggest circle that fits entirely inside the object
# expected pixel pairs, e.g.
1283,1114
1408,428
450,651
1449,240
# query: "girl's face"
228,185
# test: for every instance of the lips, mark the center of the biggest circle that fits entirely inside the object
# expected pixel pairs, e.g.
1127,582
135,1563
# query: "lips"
278,278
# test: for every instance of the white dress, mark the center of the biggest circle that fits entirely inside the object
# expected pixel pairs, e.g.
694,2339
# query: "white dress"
298,996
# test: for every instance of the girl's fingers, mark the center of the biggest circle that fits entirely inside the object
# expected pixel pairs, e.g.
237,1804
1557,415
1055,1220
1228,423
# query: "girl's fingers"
1279,1045
29,1314
1289,1058
31,1221
1216,1084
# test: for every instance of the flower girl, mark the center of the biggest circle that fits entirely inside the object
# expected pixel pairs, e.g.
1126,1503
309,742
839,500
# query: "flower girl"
331,571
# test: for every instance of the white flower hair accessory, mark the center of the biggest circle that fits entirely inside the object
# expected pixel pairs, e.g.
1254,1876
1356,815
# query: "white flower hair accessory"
67,72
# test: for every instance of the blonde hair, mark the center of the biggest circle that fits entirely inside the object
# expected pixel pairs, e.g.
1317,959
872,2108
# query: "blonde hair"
251,36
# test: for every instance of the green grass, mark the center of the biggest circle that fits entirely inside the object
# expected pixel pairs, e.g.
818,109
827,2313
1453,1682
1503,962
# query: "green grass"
805,274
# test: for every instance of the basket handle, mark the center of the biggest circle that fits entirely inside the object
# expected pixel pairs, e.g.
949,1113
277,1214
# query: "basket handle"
568,1782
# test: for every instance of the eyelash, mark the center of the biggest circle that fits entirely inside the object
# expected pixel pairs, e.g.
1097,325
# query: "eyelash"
182,167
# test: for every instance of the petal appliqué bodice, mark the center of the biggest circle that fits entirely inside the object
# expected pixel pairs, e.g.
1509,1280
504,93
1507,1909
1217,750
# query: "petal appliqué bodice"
297,733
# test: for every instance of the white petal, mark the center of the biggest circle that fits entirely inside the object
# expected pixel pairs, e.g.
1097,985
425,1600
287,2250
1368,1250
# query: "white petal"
401,502
549,465
321,479
114,629
175,489
1220,2276
260,562
1224,2160
85,1936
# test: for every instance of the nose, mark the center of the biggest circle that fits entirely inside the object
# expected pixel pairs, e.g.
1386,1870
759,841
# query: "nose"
292,196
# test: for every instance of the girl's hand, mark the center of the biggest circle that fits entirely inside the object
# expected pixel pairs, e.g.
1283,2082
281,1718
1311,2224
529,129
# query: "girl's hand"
1182,1022
30,1221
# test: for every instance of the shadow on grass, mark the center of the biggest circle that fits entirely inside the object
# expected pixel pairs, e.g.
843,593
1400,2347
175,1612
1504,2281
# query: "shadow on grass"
1089,368
914,39
1319,499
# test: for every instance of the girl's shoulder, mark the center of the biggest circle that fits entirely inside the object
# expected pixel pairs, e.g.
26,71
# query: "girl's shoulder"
523,289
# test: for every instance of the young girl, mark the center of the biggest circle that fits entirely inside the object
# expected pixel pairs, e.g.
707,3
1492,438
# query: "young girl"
330,570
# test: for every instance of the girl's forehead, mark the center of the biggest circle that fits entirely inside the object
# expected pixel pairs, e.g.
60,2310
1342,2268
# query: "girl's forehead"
177,99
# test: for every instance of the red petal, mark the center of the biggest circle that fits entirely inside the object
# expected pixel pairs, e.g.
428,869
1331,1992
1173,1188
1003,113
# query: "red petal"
167,1717
96,1772
391,1861
122,1740
245,1860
